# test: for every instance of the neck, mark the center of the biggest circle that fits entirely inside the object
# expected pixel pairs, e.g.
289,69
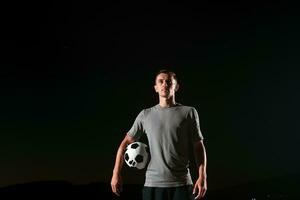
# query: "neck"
167,102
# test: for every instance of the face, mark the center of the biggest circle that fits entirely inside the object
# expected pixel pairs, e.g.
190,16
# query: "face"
165,85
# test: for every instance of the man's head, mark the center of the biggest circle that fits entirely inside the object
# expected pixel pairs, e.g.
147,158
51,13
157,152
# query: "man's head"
166,83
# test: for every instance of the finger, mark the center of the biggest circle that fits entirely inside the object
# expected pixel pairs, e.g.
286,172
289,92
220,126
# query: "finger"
194,189
203,192
198,193
198,196
118,190
115,190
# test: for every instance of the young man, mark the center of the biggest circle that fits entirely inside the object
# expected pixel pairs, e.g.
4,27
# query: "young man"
171,128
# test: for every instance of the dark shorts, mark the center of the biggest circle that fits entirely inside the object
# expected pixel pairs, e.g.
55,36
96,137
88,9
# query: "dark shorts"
168,193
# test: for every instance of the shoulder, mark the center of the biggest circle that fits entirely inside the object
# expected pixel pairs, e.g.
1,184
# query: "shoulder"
190,112
147,111
188,109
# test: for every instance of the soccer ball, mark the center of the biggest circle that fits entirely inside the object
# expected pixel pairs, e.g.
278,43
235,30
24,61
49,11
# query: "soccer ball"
136,155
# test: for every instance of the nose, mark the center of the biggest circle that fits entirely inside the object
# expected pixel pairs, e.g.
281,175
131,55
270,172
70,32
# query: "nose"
165,84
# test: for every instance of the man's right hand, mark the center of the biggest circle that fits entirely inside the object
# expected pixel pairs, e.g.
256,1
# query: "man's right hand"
116,180
116,184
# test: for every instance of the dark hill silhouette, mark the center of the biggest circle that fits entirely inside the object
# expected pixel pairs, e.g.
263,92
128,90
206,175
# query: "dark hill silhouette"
284,187
272,189
66,190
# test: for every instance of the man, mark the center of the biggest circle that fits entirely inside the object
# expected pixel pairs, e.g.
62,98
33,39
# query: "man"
170,128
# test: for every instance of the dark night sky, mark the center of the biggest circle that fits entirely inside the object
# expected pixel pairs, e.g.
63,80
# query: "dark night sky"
74,77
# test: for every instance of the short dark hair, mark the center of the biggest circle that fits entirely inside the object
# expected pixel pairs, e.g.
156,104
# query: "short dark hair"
166,71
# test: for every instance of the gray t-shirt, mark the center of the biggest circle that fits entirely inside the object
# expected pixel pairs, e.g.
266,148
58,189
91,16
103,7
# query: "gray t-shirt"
170,131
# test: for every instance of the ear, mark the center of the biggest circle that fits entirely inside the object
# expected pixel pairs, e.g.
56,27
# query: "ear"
177,87
155,88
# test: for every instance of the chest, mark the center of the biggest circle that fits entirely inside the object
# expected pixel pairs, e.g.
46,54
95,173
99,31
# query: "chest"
172,125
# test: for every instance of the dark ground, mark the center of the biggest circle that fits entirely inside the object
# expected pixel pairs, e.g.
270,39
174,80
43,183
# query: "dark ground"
279,188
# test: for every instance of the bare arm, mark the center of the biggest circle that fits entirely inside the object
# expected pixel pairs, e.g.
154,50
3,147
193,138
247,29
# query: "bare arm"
116,180
200,186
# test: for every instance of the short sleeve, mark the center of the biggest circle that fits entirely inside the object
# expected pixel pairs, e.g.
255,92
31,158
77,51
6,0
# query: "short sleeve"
195,125
137,129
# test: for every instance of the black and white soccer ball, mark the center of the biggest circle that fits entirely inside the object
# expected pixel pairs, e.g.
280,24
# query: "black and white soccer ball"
137,155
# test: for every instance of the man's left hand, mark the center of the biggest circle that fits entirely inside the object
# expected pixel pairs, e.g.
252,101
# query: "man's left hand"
200,188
